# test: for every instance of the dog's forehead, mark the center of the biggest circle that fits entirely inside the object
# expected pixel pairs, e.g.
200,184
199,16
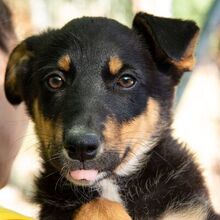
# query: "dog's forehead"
97,28
89,45
100,37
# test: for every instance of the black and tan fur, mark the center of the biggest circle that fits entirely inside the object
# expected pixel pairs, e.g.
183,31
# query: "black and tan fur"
144,173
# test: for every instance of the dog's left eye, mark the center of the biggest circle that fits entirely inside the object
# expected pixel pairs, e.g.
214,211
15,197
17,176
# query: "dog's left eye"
55,81
126,81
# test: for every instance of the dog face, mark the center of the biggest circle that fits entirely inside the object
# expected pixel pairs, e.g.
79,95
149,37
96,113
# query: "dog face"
99,93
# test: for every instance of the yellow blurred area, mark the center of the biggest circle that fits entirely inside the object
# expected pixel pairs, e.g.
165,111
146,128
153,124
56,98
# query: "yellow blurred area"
10,215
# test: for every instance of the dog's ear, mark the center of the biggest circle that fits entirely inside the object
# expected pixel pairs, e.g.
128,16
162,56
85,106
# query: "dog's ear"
171,41
19,65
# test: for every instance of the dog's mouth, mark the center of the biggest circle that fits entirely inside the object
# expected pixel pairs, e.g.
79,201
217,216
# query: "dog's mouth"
89,172
88,175
85,177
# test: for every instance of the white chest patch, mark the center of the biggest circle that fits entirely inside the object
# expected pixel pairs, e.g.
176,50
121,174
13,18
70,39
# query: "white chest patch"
110,190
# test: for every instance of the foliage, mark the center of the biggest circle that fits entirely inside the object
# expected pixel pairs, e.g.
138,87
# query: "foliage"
194,9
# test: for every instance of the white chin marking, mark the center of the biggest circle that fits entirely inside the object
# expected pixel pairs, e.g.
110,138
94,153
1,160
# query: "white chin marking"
109,190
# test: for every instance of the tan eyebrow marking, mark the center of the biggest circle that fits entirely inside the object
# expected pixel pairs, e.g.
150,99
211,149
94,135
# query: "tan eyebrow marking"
115,64
64,62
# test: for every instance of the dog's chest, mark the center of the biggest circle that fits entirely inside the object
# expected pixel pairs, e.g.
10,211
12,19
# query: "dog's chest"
110,191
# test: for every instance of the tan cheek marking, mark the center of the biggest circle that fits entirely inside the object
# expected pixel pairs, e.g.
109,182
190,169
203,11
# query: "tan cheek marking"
134,133
102,209
46,129
58,131
111,132
138,133
115,64
142,127
64,62
42,126
197,213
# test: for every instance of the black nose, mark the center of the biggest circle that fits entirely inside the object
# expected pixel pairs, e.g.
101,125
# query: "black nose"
82,146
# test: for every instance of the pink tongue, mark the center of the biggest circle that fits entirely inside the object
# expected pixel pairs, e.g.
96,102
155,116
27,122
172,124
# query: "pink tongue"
89,175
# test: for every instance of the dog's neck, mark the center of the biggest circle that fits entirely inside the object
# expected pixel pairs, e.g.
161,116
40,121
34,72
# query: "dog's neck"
110,190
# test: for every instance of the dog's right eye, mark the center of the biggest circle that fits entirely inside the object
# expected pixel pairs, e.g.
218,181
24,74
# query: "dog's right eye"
55,81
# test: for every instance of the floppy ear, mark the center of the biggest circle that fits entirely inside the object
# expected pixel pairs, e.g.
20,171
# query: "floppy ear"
17,68
171,42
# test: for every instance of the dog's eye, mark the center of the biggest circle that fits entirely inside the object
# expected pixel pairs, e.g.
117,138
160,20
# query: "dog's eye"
126,81
55,81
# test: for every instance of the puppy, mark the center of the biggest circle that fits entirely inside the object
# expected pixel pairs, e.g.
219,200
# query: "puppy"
100,95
